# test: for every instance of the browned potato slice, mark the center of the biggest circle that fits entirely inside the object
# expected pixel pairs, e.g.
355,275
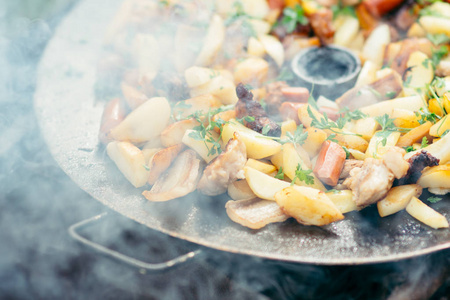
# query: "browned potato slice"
439,149
263,185
144,123
308,206
161,160
291,160
426,214
255,213
314,141
179,180
130,160
264,167
258,146
174,133
415,135
436,177
239,190
398,198
343,200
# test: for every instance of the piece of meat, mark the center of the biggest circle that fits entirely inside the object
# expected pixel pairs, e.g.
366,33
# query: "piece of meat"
322,25
246,106
224,169
274,96
370,183
255,213
349,165
417,163
329,163
393,159
295,94
405,17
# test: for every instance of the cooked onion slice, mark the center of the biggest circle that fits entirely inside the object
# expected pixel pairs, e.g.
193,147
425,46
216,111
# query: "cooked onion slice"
255,213
180,180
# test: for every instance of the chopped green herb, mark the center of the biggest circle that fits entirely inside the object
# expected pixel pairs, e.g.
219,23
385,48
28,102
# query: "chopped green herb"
438,39
297,139
347,153
445,132
390,94
265,129
438,54
434,199
425,116
334,191
340,9
292,17
386,123
409,149
303,175
332,137
280,174
146,167
424,142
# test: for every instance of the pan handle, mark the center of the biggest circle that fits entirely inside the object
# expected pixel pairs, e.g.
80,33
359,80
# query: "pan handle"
122,257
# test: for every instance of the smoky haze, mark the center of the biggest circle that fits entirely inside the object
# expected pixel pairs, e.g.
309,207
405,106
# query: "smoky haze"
38,202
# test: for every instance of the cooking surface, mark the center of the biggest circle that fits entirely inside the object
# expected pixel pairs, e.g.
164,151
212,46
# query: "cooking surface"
38,202
69,117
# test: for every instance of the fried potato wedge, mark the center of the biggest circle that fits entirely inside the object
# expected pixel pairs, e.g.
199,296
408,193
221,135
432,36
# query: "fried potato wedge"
436,177
179,180
263,185
308,206
174,133
130,160
258,146
162,160
426,214
291,160
144,123
398,198
343,200
255,213
239,190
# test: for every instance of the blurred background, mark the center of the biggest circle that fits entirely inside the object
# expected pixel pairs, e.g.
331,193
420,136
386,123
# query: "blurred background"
38,202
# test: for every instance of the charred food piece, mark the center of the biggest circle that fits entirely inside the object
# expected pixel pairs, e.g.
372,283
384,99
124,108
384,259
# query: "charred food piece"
246,106
417,163
224,169
370,183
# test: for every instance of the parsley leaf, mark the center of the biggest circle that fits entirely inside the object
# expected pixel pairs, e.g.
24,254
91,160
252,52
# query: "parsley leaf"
341,9
433,199
303,175
386,123
424,142
426,115
409,149
438,54
280,174
438,39
292,17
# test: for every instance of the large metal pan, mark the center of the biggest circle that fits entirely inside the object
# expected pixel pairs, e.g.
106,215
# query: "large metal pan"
69,117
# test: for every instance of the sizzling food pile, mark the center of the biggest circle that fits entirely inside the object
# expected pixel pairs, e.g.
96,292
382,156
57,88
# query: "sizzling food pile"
208,103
